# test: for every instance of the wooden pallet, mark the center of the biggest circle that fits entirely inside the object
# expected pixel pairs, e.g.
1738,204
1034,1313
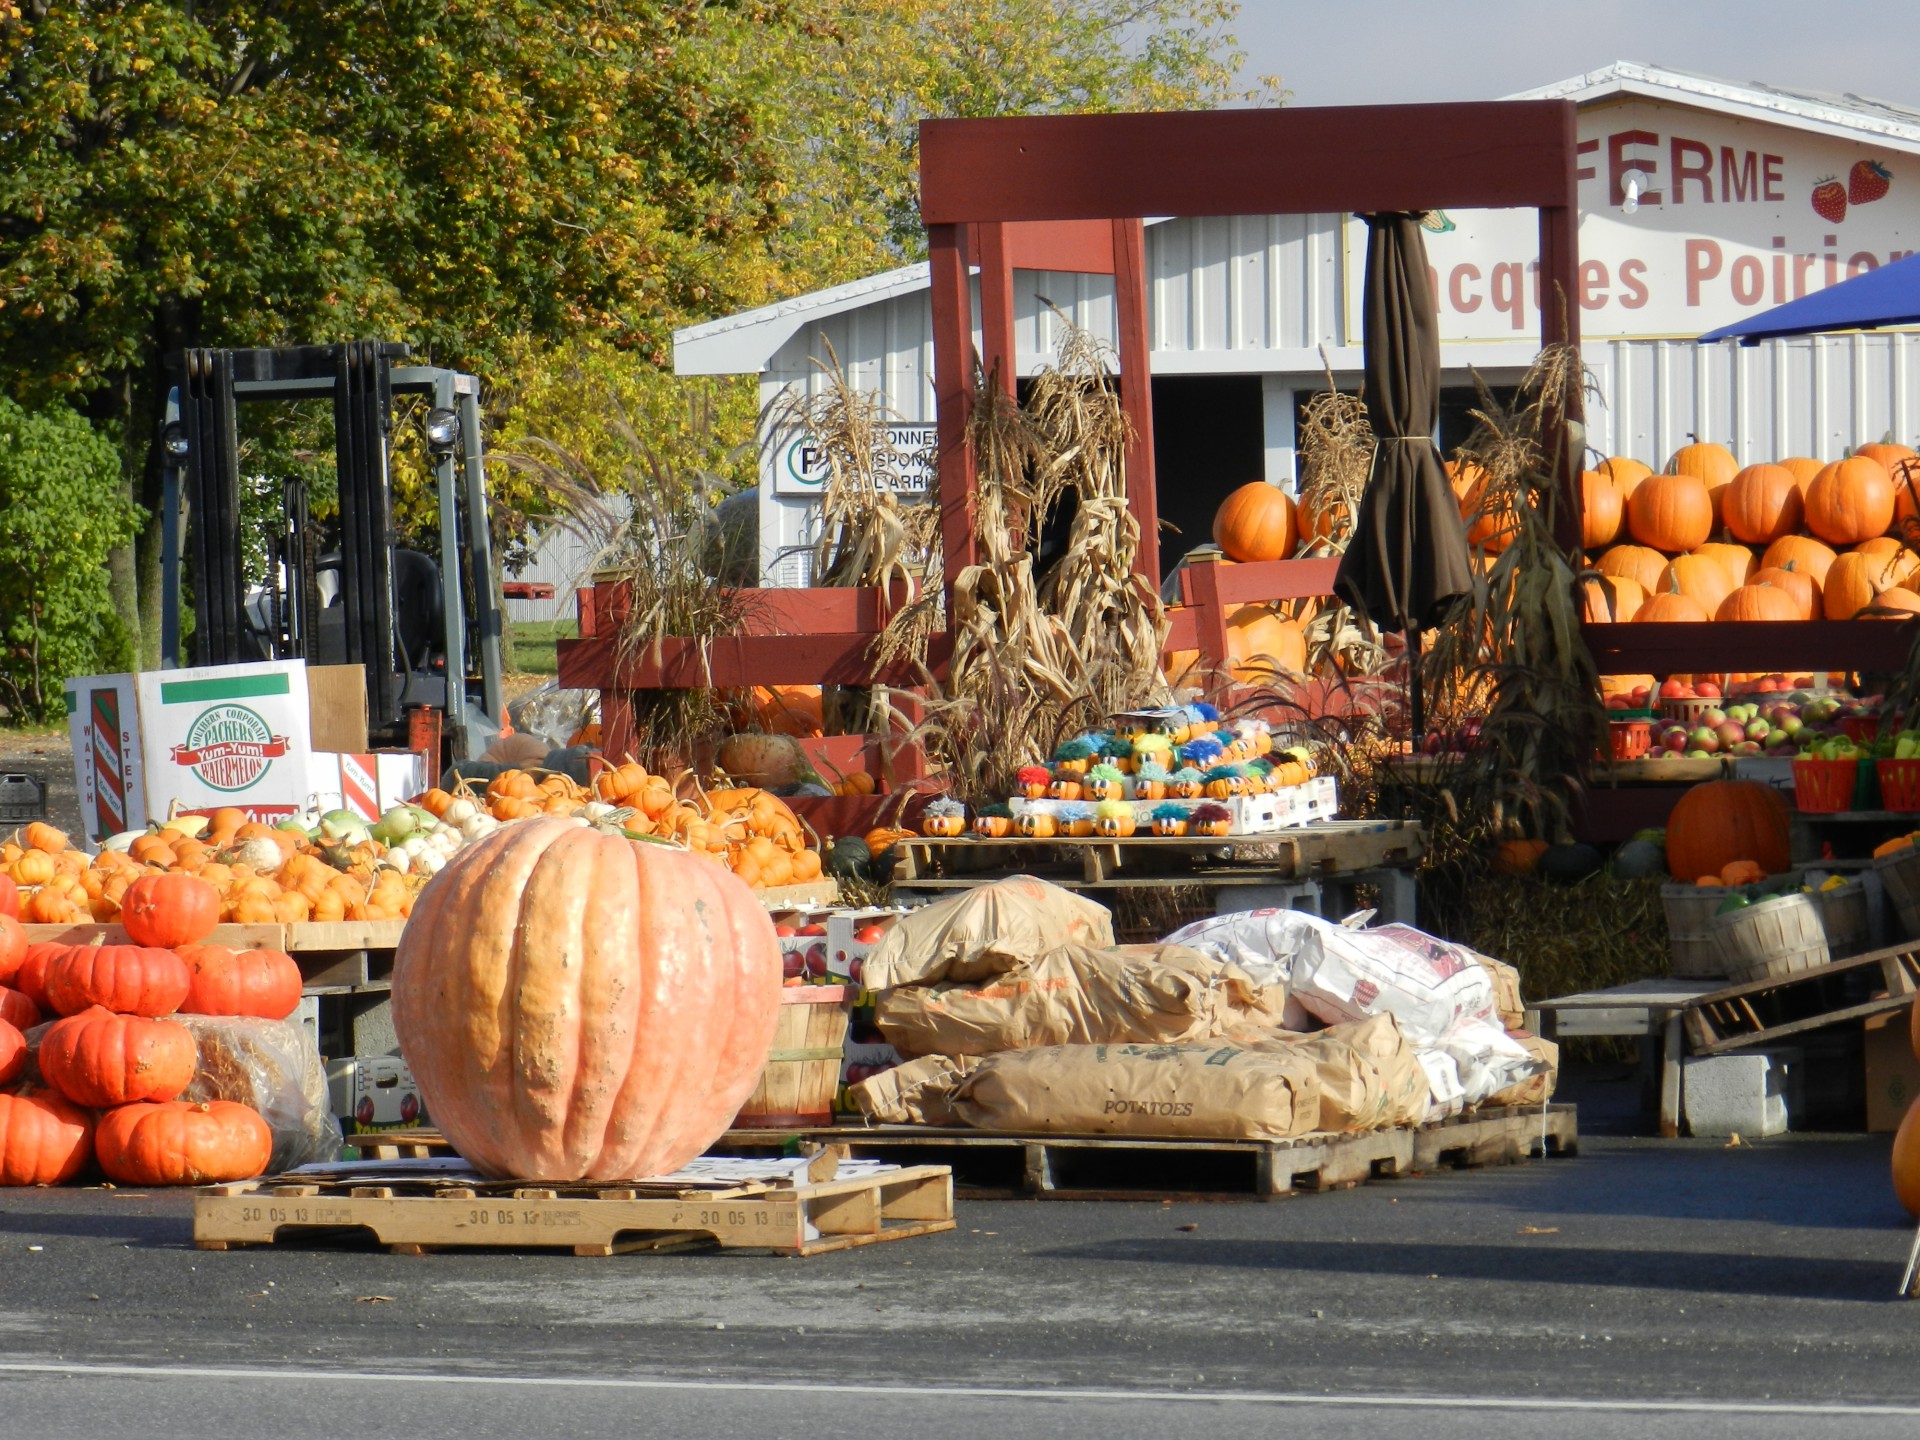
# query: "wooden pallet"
414,1216
1760,1012
1324,848
414,1142
1064,1167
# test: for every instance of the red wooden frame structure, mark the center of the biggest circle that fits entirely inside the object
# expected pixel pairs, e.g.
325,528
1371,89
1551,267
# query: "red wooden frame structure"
1070,193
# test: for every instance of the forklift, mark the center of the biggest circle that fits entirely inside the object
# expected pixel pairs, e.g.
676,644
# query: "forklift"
426,628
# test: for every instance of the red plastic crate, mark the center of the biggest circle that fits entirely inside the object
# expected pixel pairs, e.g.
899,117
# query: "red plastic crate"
1824,787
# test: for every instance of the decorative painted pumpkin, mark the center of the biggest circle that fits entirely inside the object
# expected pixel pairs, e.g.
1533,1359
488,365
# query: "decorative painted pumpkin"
1037,825
1179,789
1668,606
943,824
1671,513
179,1143
1103,789
127,979
1602,510
1154,789
1700,578
1064,788
1720,821
1079,827
1804,553
1219,826
13,1052
99,1058
240,982
1849,501
1255,522
1796,585
992,826
1610,599
169,910
45,1139
1762,504
1639,563
1626,474
1168,825
578,1005
18,1009
1906,1161
1114,827
1758,602
1226,787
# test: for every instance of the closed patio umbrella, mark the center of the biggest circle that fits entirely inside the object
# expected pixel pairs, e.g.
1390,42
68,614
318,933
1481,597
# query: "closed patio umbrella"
1407,564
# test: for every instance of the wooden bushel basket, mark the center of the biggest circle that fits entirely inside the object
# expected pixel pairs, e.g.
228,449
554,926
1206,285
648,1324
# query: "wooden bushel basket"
804,1069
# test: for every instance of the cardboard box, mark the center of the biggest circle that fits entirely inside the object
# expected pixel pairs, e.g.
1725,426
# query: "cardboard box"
803,952
851,936
337,707
226,735
374,1092
103,722
401,775
1893,1074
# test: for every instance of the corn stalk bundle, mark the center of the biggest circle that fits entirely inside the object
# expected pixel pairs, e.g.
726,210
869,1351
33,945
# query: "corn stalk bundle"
1336,455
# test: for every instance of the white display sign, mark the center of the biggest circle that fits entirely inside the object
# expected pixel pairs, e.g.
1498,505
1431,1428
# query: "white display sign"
1689,220
907,464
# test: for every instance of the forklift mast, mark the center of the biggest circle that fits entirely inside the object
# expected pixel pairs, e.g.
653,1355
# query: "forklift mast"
389,599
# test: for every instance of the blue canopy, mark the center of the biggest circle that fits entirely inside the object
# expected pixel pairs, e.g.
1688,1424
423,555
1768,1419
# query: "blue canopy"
1887,296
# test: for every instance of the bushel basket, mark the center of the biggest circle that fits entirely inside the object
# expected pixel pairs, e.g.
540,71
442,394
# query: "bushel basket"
1775,937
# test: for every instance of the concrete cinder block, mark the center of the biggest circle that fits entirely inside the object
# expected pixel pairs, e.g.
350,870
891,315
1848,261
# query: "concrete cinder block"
1749,1094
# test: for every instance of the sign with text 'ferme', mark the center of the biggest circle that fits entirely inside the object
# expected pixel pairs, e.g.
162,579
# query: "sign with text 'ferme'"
1689,220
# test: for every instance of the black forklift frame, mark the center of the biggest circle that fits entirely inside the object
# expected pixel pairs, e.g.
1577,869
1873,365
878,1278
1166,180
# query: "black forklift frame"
361,377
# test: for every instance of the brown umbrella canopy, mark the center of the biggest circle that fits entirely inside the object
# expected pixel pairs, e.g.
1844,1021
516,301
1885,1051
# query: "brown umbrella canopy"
1407,562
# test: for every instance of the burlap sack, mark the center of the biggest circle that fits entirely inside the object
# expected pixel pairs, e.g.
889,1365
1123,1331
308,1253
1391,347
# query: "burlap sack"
1535,1089
1217,1092
1075,995
984,931
917,1092
1508,1007
1352,1096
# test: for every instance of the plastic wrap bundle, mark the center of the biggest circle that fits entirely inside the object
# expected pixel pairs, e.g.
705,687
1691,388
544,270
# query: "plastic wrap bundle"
985,931
271,1065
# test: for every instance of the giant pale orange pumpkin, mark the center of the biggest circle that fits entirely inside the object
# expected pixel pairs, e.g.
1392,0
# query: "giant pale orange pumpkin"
1610,599
1260,643
1705,580
45,1139
1672,513
1255,522
169,910
1758,602
577,1005
1906,1158
178,1143
1849,501
1762,504
1602,510
1639,563
1797,586
240,982
1804,553
1721,821
1626,474
99,1058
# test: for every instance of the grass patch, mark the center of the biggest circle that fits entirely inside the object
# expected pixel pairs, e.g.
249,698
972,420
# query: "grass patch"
534,651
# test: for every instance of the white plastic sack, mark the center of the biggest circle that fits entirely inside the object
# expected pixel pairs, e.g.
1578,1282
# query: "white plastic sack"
1443,1080
1488,1060
1430,986
1264,943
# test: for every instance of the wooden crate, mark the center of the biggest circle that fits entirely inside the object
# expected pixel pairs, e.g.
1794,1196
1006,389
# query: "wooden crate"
1762,1012
803,1072
414,1216
1105,1167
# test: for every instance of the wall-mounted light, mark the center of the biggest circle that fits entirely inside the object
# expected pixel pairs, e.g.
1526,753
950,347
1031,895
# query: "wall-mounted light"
443,432
173,440
1633,184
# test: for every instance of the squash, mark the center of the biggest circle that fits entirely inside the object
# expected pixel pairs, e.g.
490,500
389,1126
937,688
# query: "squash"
765,761
581,1006
1255,522
1720,821
265,983
1518,857
169,910
1640,860
127,979
98,1058
45,1139
179,1143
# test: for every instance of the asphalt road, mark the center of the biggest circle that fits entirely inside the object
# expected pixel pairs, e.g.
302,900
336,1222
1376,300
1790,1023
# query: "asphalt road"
1643,1287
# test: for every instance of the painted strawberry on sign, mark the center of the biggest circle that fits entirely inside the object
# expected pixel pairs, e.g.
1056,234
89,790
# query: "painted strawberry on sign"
1867,182
1830,200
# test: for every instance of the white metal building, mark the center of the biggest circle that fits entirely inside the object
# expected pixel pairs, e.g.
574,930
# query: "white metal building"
1702,201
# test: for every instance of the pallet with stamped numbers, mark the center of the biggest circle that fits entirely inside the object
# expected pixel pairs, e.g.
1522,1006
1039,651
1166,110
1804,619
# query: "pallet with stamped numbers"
414,1216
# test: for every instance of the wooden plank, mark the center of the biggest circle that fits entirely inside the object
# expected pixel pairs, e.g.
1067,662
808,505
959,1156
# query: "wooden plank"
234,937
739,661
342,935
1720,1045
1666,648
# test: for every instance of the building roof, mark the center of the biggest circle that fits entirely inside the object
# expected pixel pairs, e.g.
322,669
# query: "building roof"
742,344
1850,117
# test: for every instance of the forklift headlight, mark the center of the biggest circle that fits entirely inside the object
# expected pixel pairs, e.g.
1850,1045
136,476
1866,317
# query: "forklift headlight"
173,439
443,432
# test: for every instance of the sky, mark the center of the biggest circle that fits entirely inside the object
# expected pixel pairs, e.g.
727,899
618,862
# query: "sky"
1361,52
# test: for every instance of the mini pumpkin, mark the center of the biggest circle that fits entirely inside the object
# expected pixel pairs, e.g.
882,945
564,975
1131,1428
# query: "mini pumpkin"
1169,825
1037,824
1064,787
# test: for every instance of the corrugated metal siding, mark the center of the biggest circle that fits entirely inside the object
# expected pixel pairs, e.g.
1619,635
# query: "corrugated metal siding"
565,561
1817,395
1245,282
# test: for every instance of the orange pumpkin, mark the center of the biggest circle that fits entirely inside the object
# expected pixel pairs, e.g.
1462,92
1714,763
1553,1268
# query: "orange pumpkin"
45,1139
169,910
1639,563
1671,513
1796,585
1255,522
1762,503
1885,455
1896,602
1852,583
178,1143
240,982
1518,857
1736,560
1758,602
1906,1158
577,1005
1695,575
1610,599
1261,643
1602,510
1721,821
1805,554
127,979
1849,501
99,1058
1669,606
1803,469
1626,474
43,837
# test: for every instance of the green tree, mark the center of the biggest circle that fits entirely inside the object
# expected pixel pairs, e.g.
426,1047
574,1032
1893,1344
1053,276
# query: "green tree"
60,492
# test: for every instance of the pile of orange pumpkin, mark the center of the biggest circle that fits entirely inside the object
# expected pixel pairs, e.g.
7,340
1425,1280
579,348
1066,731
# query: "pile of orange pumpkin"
112,1066
258,874
752,832
1709,539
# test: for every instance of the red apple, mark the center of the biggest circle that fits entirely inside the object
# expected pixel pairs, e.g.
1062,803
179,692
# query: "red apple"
792,966
1704,738
811,930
